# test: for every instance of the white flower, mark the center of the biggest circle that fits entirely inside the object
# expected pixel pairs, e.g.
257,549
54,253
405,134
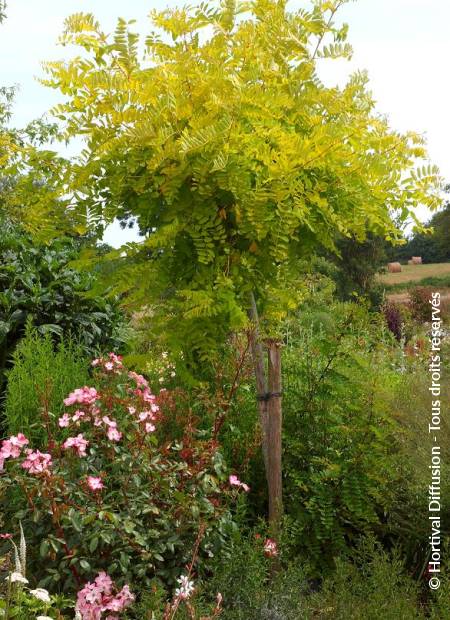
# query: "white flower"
186,588
41,594
17,578
44,618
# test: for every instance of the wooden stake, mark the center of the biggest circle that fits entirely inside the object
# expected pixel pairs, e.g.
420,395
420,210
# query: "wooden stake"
260,377
274,436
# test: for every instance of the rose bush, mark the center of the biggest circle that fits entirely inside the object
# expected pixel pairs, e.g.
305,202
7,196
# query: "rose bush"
106,495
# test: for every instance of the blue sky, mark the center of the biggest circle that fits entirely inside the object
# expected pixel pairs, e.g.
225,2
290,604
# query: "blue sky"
403,44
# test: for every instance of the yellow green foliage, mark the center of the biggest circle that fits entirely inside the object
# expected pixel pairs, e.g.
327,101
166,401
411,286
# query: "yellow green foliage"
232,155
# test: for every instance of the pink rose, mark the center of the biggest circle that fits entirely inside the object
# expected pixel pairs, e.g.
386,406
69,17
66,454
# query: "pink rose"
114,434
37,462
95,483
78,443
85,396
235,482
270,548
64,421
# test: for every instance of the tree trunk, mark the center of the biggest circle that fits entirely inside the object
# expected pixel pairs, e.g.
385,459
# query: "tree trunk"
260,377
274,436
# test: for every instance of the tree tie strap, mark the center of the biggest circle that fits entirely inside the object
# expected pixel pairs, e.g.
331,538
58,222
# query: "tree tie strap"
268,395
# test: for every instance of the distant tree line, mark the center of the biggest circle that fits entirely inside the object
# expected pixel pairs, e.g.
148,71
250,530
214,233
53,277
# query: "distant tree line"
355,265
433,248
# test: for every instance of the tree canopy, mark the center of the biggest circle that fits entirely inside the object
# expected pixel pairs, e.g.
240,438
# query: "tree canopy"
230,152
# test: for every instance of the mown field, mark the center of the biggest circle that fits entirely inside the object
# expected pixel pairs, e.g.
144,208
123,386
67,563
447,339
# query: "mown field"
416,273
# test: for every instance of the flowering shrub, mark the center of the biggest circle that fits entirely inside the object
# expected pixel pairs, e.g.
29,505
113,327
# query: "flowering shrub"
104,495
98,597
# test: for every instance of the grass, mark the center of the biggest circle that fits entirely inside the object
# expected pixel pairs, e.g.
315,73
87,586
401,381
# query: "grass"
433,274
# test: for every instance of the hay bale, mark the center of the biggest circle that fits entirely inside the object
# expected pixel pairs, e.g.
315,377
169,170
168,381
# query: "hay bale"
410,262
416,260
394,267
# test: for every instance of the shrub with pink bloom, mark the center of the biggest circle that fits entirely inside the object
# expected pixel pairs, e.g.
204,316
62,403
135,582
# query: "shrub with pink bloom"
101,597
19,441
139,379
110,497
113,434
77,416
8,450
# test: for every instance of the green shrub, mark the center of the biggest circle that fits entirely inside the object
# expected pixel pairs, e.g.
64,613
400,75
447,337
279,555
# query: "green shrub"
338,431
39,285
440,599
358,263
371,585
406,525
241,575
41,377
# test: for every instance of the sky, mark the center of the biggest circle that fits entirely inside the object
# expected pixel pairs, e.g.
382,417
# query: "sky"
403,44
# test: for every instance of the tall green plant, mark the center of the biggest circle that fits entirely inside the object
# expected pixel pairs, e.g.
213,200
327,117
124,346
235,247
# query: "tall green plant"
41,377
339,432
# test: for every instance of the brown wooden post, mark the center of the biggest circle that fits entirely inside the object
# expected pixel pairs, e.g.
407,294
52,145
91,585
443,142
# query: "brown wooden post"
260,377
274,435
